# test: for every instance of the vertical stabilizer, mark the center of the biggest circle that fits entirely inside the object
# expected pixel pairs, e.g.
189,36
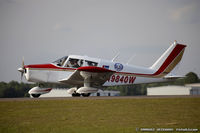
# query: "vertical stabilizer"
169,59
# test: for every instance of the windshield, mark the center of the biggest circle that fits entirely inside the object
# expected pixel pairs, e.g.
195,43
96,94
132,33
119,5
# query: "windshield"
60,61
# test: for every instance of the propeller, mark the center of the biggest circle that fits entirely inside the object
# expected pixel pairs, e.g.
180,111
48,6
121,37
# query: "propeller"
22,69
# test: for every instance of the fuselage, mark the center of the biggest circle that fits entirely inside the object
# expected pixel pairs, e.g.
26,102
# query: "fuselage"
53,72
115,73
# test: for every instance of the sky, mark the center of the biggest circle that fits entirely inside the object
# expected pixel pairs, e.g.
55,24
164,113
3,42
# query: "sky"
42,31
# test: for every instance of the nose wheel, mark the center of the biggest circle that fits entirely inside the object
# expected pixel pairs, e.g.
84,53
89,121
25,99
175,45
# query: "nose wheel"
35,95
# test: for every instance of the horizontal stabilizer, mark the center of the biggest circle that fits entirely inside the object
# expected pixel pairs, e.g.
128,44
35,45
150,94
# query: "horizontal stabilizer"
173,76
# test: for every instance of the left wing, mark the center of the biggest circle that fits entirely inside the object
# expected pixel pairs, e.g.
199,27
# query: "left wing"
90,76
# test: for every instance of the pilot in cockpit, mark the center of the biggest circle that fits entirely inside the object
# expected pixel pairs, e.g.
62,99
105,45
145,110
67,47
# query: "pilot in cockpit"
74,63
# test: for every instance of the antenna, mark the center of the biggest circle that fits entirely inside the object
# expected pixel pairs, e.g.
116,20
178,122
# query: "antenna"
115,57
175,42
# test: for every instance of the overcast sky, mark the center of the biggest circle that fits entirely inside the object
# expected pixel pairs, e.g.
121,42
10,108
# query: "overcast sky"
44,30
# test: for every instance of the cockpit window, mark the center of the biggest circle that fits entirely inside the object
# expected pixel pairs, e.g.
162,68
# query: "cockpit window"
74,63
60,61
91,63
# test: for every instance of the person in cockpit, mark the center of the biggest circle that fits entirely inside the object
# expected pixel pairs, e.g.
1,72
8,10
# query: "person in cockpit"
74,63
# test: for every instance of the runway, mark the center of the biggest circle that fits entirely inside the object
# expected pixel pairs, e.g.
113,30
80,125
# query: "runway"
60,114
96,97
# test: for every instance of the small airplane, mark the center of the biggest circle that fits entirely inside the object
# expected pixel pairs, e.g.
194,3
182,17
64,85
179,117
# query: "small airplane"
88,74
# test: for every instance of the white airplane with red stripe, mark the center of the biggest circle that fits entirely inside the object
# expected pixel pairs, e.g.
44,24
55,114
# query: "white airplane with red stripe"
87,74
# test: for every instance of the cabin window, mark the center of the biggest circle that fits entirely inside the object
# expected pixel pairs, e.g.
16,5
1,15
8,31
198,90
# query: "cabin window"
60,61
91,63
74,63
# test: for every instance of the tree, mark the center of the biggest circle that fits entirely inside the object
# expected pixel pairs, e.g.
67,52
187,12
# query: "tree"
3,87
191,77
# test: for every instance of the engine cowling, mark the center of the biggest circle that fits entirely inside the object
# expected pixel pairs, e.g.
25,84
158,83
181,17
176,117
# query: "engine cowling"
37,91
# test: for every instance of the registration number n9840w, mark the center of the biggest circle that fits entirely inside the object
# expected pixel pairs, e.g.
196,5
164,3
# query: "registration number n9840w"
122,79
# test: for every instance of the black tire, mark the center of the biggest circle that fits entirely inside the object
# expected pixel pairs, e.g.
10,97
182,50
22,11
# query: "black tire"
35,95
76,95
85,94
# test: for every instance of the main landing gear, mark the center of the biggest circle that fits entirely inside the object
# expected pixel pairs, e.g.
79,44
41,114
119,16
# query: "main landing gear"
85,94
78,95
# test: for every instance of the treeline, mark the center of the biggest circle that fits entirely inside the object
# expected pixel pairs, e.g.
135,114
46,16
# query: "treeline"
15,89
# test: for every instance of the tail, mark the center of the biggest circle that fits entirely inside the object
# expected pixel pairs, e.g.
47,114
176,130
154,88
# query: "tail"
166,63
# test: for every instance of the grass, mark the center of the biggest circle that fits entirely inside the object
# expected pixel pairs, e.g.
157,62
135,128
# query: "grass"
98,115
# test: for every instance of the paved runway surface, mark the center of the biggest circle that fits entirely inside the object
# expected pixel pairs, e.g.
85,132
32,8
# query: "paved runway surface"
95,97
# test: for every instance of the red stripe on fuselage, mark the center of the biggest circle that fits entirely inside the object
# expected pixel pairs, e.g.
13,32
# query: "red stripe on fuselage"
47,66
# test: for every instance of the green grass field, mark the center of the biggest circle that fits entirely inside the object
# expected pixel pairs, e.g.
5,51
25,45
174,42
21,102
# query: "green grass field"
98,115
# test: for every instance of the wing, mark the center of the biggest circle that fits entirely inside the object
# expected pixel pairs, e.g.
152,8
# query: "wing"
74,79
92,75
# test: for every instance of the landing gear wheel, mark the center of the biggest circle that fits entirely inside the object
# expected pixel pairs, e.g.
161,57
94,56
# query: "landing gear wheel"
85,94
35,95
76,95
